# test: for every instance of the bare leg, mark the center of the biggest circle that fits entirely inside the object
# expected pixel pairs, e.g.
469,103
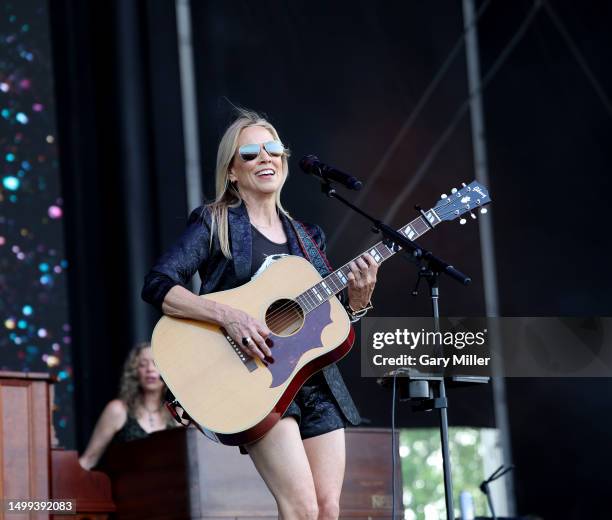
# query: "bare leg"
326,454
281,460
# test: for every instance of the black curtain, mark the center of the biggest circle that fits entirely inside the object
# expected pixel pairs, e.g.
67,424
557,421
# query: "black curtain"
121,150
338,80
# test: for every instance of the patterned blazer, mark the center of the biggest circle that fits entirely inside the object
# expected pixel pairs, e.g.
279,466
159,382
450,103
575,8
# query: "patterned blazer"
192,252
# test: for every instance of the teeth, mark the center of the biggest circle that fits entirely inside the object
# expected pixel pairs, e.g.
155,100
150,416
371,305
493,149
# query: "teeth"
265,172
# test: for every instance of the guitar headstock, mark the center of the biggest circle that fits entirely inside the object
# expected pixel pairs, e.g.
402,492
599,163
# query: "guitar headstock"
468,199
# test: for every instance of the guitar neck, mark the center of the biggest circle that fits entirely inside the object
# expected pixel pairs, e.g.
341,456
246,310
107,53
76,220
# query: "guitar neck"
338,280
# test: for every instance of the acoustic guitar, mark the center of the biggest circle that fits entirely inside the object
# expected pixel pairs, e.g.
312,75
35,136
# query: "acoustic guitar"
239,398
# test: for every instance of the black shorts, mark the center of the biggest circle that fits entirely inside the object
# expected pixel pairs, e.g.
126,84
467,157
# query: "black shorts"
315,410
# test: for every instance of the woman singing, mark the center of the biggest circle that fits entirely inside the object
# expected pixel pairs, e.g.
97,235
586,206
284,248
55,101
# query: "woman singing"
230,241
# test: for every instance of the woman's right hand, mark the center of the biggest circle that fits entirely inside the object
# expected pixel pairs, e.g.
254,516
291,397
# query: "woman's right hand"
239,325
181,303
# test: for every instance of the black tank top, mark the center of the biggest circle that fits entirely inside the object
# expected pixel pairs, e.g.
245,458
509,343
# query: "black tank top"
263,253
131,431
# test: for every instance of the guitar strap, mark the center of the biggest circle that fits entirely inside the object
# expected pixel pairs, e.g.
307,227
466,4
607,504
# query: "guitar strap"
311,250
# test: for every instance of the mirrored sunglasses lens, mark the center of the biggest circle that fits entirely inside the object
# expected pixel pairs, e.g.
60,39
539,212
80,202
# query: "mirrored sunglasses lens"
275,148
248,152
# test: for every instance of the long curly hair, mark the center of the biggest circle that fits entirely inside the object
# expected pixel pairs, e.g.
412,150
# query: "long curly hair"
130,391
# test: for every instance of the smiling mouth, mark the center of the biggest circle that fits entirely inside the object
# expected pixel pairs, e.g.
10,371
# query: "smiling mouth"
265,173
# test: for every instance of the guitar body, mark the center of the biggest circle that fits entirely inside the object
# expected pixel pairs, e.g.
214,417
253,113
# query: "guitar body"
238,397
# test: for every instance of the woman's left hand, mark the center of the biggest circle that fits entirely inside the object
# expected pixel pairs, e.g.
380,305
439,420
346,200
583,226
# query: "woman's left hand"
362,280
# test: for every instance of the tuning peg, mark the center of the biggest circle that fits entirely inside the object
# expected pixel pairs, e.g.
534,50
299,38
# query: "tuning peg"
472,215
483,211
443,196
463,184
462,221
454,190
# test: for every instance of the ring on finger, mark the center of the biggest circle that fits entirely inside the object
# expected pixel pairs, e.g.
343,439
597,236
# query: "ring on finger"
246,341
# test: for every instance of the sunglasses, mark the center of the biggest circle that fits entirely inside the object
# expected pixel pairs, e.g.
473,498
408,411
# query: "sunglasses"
248,152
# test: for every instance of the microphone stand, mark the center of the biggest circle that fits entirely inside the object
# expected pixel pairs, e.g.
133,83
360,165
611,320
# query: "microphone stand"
484,486
393,237
418,387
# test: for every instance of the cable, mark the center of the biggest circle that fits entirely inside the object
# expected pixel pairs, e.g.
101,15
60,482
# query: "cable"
554,16
461,111
518,35
520,32
393,454
408,122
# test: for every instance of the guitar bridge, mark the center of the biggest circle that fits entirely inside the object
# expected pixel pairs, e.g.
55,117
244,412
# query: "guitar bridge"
248,361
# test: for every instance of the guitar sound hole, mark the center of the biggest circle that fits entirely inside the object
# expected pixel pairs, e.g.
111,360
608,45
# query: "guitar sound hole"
284,317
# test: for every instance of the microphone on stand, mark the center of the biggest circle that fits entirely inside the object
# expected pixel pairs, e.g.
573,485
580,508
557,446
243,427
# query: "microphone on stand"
310,164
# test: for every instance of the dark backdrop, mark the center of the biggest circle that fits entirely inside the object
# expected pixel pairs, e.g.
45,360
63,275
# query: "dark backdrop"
340,80
549,134
340,86
118,93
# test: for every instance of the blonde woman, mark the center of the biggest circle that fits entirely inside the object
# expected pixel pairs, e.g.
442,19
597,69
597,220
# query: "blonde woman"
138,411
230,241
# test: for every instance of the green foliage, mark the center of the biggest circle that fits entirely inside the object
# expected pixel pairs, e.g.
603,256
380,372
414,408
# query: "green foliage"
421,456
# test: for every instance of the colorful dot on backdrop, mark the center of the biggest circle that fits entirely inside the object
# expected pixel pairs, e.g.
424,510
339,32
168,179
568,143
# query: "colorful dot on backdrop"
35,333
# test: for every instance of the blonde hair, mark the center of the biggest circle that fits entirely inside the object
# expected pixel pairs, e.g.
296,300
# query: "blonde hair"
227,195
130,391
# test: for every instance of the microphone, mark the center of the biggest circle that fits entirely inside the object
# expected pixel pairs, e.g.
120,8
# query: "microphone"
311,164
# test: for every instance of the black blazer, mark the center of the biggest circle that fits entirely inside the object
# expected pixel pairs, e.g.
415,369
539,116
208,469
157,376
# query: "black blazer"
192,252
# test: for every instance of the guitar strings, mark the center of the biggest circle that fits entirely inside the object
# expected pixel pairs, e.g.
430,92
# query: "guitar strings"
344,269
304,297
284,323
287,312
278,316
293,311
293,302
282,316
